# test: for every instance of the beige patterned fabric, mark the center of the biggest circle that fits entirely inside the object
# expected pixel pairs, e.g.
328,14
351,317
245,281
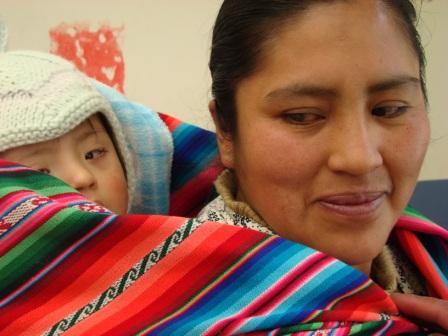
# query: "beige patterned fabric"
390,269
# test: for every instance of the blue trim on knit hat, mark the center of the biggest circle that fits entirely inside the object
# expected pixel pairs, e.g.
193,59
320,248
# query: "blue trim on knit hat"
151,147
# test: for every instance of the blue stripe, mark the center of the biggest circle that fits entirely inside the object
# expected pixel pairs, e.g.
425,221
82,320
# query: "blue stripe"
28,215
194,150
332,282
434,246
238,290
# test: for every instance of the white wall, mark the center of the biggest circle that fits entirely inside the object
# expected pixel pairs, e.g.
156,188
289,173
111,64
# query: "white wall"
166,46
434,31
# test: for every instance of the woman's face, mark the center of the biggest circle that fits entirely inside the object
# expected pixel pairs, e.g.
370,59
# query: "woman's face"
331,130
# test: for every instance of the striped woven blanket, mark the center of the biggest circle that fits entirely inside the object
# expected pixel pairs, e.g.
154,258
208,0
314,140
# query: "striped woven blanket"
68,266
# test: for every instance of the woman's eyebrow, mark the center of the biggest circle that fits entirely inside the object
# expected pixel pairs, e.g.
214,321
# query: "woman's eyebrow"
393,83
298,89
311,90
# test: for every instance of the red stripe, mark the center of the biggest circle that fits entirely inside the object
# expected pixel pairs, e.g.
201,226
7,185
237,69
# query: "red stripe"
170,122
23,230
423,261
275,295
420,225
68,197
74,267
214,264
10,199
190,198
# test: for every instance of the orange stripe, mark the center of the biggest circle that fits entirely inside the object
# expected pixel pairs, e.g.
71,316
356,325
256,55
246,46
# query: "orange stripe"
97,278
152,285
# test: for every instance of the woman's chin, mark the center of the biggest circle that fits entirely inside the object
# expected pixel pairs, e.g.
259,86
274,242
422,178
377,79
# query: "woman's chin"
362,261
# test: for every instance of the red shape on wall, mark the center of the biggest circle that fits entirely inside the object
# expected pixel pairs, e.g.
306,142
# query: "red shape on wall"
95,52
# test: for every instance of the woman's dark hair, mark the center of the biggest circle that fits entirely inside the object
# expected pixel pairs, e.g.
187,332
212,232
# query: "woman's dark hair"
242,29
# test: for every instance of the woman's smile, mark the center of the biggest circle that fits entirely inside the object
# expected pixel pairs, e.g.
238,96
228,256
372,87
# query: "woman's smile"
359,205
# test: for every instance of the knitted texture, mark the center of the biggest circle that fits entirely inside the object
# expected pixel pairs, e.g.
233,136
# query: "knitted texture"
43,96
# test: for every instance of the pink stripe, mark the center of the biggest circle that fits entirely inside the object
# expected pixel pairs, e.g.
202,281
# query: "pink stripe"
333,303
367,282
212,286
69,197
423,261
36,220
420,225
343,329
13,168
384,328
309,275
188,199
10,199
56,261
318,266
276,294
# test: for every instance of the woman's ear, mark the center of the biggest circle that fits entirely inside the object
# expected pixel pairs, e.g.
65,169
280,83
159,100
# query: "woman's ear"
225,139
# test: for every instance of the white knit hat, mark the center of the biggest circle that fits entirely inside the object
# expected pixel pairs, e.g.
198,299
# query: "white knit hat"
43,96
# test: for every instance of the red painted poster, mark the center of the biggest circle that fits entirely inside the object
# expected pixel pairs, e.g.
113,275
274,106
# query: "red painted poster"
96,52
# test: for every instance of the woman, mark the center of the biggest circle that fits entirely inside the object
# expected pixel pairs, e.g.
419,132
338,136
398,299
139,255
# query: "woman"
320,113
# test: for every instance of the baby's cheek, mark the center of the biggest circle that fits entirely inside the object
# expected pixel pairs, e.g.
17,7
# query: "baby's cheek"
118,184
117,194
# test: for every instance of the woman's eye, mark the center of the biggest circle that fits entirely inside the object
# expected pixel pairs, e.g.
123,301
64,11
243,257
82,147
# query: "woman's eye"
389,111
95,154
44,170
303,118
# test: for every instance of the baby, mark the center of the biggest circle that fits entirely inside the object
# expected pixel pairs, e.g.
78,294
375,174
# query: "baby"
54,120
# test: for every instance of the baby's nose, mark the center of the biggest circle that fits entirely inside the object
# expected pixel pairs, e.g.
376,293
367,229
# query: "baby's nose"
79,177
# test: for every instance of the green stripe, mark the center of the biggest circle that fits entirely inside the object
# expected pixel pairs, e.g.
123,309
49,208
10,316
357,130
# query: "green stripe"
211,284
40,183
366,328
409,211
42,246
301,327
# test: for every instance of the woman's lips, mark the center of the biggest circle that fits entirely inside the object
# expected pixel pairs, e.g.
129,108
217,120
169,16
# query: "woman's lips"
353,205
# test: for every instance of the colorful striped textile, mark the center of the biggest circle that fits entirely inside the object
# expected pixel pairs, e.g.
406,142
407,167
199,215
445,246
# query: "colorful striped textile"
68,266
175,162
151,146
195,167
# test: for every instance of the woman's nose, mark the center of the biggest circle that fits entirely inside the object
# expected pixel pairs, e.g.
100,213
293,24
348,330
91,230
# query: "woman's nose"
356,149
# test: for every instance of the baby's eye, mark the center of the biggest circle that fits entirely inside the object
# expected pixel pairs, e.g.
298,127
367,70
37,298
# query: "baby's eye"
390,111
44,170
95,154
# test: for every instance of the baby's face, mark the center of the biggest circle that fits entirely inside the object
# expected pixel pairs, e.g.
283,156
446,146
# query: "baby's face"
85,158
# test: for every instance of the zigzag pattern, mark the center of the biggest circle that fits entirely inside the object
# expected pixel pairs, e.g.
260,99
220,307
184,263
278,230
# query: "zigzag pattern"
127,279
